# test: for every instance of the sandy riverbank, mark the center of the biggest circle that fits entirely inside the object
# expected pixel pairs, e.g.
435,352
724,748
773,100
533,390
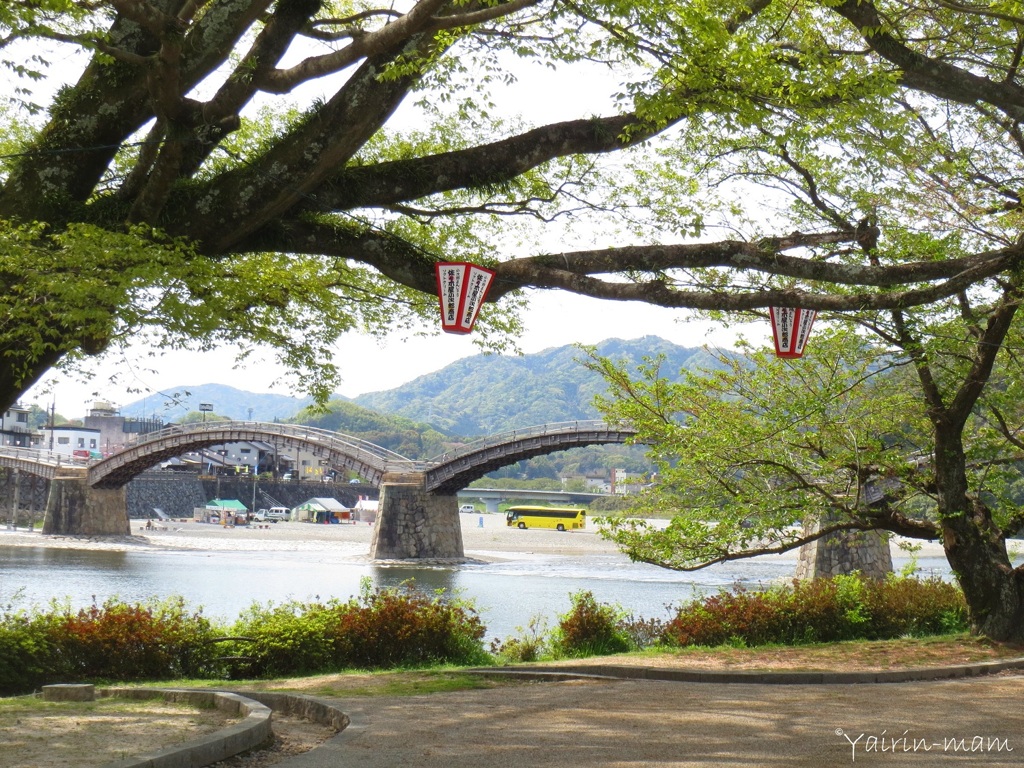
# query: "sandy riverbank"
485,537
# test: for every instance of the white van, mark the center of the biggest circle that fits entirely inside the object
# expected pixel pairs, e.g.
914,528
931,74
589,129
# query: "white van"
273,515
467,508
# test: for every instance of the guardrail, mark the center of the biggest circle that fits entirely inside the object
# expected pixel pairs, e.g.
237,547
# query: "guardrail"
309,434
51,458
541,430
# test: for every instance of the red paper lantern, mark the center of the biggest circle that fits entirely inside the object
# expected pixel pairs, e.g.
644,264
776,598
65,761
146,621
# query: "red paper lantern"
791,327
461,288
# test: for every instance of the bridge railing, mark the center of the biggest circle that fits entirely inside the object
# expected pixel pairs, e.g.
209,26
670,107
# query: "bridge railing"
37,455
356,447
541,430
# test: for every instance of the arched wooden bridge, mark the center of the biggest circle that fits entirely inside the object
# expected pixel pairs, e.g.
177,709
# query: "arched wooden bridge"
446,473
417,517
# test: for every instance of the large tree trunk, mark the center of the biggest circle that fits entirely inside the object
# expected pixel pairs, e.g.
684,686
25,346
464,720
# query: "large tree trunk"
993,588
976,549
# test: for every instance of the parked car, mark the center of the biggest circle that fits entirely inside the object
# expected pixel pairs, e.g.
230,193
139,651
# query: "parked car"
272,515
468,508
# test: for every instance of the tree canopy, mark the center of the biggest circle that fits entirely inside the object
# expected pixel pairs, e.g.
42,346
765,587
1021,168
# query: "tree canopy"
749,453
242,172
188,184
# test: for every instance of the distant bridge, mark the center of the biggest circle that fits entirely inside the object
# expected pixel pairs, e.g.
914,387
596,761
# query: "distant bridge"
418,518
492,496
340,451
455,470
446,473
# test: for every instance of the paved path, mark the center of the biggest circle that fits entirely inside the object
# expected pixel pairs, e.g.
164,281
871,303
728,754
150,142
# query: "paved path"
643,724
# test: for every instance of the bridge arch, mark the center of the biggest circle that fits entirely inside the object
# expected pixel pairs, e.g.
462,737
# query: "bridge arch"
454,471
341,451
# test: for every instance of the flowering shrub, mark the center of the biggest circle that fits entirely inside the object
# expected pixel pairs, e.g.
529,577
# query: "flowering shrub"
112,641
822,610
385,628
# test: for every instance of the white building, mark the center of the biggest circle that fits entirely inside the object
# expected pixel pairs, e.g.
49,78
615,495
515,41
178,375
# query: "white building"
14,428
73,442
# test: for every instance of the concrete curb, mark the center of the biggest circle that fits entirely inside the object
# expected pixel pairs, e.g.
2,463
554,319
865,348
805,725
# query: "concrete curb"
623,672
317,710
252,731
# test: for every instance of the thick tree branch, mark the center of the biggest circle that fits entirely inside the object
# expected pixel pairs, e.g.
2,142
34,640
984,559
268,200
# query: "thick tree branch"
930,75
422,18
297,166
572,271
986,350
491,163
927,532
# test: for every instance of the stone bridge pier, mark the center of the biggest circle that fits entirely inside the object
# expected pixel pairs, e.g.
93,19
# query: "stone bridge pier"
76,509
415,523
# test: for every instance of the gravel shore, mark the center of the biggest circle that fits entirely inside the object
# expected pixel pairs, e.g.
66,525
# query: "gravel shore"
485,537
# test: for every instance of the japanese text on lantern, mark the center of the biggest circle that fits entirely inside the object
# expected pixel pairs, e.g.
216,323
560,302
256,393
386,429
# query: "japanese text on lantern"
462,289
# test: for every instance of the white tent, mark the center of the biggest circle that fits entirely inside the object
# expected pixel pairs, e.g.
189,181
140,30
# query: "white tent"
321,509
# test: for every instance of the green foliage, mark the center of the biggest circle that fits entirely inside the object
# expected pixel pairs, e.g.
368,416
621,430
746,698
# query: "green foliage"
531,644
409,438
590,629
747,453
382,629
822,610
113,641
25,653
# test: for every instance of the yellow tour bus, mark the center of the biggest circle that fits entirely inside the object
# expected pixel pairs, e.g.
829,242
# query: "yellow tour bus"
560,518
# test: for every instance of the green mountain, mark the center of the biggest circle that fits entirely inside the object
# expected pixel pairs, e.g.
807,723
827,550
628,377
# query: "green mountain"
396,433
475,396
486,394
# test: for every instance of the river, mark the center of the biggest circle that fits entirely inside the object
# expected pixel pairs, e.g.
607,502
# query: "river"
508,594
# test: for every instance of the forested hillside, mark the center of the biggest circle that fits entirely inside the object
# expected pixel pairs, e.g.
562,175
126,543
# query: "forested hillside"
477,396
396,433
485,394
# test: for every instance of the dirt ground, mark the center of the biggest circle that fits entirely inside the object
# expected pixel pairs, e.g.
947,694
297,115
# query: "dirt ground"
38,734
45,734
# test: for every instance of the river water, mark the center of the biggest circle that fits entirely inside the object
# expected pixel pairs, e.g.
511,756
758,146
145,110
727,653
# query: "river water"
508,594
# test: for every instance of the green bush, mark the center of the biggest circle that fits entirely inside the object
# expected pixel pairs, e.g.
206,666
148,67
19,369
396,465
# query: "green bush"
590,629
531,646
114,641
128,642
822,610
912,607
381,629
25,651
293,638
